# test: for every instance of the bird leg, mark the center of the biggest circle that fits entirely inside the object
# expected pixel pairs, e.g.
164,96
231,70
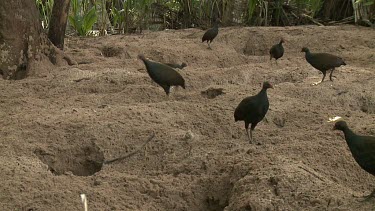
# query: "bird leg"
249,137
316,83
324,76
166,89
330,75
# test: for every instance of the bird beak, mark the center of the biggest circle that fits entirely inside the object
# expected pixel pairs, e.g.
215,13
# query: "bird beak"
271,87
334,128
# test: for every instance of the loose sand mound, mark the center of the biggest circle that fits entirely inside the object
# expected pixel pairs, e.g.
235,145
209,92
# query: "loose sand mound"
64,121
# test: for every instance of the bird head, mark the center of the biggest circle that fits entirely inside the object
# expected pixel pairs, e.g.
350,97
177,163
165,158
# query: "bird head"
183,64
305,49
282,40
267,85
340,125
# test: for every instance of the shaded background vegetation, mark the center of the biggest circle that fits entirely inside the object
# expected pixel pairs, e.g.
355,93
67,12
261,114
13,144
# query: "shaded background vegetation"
126,16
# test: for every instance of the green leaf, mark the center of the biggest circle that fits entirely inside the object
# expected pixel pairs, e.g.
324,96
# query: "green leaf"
89,19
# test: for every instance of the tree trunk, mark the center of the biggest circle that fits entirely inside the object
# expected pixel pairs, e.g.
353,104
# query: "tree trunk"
57,26
22,41
19,37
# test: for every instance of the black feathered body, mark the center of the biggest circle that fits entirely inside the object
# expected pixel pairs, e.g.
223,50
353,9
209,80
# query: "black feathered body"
323,61
163,75
211,33
277,51
362,149
252,109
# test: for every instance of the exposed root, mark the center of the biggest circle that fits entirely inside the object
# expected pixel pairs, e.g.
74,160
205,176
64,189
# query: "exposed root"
132,153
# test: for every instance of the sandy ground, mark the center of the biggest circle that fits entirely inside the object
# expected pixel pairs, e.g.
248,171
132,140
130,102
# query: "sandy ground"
56,123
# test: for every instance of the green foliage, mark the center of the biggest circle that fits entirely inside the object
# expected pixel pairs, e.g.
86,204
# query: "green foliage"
82,18
45,10
251,4
136,13
101,5
365,2
316,5
128,15
312,6
118,17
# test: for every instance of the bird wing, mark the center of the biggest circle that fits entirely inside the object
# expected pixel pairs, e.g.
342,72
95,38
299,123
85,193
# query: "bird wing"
163,74
324,61
273,49
249,108
210,34
246,104
277,51
364,152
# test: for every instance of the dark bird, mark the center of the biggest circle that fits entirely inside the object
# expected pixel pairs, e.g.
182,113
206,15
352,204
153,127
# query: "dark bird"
323,61
253,109
277,51
162,74
210,34
361,147
174,65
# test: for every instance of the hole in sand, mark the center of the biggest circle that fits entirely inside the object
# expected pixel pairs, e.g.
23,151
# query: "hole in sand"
367,104
218,191
112,51
80,160
211,93
216,204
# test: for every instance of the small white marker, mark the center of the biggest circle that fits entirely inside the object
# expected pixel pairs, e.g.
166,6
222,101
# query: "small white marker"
84,201
334,119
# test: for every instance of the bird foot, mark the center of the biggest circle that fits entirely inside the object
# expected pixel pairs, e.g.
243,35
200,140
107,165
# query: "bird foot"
255,142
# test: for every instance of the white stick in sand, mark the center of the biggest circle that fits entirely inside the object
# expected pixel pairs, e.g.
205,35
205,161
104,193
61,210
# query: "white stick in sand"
84,201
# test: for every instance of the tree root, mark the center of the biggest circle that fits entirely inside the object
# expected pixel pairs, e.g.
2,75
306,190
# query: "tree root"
131,153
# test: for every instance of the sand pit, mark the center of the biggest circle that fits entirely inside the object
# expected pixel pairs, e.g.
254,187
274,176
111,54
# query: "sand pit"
59,123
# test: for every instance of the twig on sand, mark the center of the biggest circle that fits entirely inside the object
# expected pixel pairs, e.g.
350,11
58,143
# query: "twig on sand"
81,79
311,19
131,153
312,173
